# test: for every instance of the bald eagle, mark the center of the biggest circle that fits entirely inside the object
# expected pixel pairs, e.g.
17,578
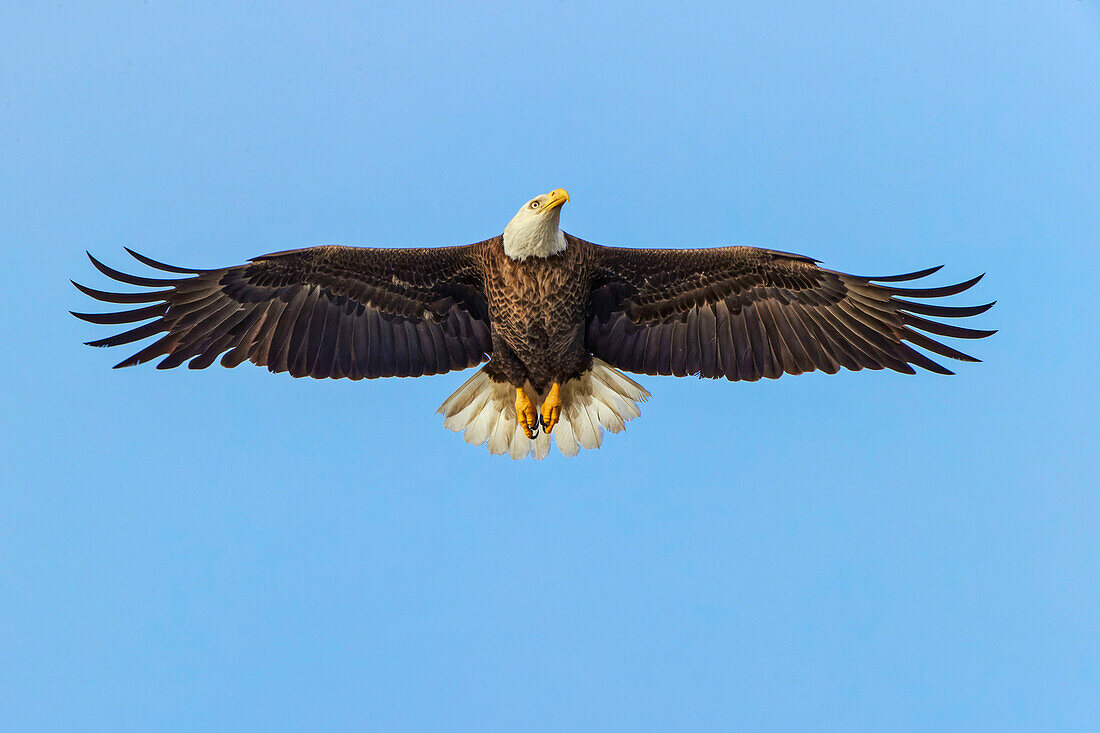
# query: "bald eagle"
559,320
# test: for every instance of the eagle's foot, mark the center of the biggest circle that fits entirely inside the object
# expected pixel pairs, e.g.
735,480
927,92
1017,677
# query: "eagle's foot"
551,408
525,412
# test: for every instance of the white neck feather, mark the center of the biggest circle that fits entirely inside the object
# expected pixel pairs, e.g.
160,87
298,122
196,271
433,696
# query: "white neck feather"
533,235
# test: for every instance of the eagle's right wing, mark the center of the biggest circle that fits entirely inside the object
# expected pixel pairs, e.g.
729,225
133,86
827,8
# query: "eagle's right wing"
747,313
318,312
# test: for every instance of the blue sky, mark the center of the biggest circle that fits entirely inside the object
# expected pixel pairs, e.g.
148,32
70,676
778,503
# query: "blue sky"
236,549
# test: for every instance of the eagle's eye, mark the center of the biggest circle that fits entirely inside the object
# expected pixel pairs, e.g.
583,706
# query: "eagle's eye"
534,204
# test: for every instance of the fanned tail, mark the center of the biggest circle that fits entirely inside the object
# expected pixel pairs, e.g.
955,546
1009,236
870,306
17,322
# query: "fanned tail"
603,398
485,411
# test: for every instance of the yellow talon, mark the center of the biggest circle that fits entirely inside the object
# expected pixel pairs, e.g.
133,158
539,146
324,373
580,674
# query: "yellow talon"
525,412
551,408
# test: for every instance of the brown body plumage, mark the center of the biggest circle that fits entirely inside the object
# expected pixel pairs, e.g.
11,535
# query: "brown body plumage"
736,312
537,309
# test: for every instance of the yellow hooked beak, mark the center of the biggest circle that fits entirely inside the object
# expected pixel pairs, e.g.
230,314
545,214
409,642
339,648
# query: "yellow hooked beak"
557,198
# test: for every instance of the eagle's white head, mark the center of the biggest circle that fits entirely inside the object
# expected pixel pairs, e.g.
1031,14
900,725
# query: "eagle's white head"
533,231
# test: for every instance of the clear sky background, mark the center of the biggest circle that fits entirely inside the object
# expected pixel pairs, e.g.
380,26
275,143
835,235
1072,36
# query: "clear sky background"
236,549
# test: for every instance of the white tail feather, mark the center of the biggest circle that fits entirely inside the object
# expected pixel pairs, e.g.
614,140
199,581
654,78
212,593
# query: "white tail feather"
566,438
603,398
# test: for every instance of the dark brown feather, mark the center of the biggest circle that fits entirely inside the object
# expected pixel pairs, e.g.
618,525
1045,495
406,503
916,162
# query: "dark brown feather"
320,312
765,313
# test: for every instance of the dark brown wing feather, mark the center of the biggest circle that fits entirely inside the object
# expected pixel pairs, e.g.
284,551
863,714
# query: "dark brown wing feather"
318,312
747,313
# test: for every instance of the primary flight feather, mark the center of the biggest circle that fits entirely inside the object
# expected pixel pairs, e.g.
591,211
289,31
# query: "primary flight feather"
558,319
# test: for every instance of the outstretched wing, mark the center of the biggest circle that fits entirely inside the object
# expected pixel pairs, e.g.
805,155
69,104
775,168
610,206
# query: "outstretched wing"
747,313
318,312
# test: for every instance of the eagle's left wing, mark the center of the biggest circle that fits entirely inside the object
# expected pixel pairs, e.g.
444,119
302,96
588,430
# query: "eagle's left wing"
747,313
319,312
